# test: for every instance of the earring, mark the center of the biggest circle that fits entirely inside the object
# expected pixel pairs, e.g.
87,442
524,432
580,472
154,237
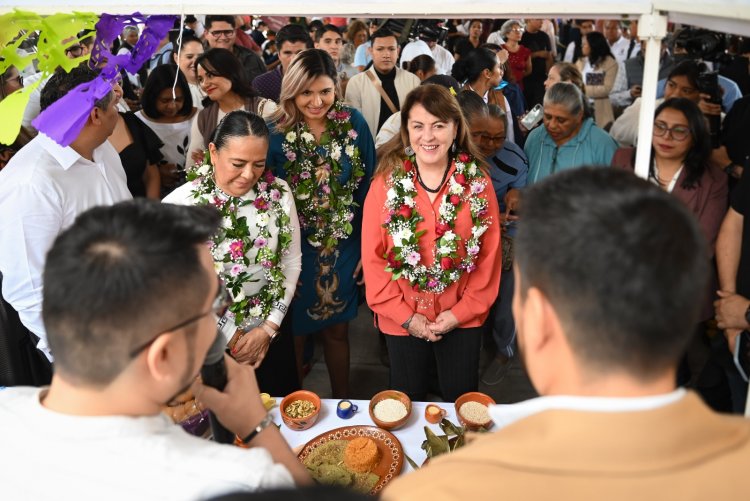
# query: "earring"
453,147
409,151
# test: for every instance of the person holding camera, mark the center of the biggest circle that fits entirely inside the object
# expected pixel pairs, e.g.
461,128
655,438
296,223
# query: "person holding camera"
704,45
125,344
443,58
682,81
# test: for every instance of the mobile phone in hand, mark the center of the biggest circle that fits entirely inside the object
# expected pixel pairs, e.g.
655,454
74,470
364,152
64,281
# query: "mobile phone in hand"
533,117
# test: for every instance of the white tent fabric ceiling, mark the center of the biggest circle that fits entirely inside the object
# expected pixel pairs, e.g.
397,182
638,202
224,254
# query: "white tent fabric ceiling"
728,16
731,16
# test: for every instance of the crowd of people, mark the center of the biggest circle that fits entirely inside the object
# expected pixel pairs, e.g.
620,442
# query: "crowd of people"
452,176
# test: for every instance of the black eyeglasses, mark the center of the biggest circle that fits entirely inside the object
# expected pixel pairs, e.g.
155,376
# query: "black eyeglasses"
492,139
74,50
222,33
678,132
221,304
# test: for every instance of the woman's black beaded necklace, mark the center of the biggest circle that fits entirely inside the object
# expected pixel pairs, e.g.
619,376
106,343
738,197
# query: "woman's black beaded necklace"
445,176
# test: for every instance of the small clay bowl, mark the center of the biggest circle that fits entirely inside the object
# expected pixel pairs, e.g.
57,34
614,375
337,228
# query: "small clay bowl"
299,424
394,394
473,396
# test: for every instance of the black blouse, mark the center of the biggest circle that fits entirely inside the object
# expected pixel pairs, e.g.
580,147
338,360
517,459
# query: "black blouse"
137,155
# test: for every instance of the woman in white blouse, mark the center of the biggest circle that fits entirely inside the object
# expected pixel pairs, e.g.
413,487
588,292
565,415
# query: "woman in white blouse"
257,250
168,110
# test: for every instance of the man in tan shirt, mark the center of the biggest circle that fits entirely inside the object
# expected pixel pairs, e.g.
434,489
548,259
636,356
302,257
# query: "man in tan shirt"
605,304
367,91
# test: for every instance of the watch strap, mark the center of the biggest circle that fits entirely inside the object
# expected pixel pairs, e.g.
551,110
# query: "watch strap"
747,315
264,423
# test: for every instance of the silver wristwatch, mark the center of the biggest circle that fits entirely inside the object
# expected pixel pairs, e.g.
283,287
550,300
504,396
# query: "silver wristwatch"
264,423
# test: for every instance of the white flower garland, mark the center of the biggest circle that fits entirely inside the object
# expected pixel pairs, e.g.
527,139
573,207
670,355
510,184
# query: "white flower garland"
405,258
325,207
230,246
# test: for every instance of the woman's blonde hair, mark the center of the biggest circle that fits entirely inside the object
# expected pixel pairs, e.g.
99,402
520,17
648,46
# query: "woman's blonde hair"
304,69
438,101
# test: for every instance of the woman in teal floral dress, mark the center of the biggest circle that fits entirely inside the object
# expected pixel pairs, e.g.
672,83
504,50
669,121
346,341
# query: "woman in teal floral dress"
325,151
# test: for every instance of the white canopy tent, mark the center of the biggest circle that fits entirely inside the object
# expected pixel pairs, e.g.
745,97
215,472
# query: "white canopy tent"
730,16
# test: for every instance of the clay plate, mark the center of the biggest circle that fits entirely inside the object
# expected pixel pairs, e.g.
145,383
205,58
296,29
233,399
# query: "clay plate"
391,452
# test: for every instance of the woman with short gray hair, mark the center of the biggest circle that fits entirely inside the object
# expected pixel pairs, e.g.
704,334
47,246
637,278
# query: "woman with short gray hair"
568,139
509,25
519,56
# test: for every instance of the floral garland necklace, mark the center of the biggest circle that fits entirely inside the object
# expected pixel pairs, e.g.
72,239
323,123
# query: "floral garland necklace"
325,207
233,242
405,258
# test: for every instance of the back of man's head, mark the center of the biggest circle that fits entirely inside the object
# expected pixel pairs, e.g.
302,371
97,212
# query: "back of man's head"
61,83
623,264
118,277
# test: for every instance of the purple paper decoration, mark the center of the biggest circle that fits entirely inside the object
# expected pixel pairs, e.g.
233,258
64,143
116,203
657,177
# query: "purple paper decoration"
64,119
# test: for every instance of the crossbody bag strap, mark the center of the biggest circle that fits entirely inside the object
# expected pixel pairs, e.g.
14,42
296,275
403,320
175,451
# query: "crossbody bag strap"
381,91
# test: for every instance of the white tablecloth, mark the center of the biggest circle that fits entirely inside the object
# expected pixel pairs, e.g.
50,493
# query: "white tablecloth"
411,435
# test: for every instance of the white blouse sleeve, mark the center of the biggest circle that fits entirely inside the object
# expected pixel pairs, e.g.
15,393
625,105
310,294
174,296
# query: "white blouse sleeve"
292,261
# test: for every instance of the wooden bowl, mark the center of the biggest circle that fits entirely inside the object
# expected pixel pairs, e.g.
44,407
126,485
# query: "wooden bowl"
394,394
306,422
473,396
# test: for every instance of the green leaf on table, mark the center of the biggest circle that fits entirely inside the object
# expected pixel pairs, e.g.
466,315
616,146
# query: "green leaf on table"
438,445
411,462
450,428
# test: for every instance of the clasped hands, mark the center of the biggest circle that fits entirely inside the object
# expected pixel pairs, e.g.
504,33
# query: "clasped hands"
730,314
252,346
422,328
